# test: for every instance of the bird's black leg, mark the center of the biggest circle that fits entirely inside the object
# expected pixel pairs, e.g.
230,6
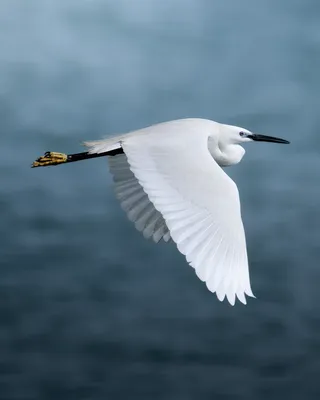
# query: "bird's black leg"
53,158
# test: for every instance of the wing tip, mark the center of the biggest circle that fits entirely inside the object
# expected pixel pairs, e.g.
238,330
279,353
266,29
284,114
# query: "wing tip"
232,297
230,294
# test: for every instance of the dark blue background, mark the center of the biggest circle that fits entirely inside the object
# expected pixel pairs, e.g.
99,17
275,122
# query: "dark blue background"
88,308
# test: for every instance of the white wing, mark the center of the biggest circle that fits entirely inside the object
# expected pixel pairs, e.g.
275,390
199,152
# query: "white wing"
135,201
198,202
130,193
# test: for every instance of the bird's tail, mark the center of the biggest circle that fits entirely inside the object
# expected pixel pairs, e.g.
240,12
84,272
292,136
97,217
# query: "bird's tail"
104,145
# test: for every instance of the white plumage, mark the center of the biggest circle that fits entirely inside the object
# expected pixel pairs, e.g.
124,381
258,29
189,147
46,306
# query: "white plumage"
170,183
135,201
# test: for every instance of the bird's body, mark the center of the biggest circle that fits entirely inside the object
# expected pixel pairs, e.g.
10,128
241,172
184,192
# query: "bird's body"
180,129
168,179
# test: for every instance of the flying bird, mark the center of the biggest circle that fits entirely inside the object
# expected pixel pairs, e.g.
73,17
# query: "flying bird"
169,179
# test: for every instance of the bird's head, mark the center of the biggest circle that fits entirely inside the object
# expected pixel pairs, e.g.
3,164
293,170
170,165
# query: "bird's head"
237,135
228,150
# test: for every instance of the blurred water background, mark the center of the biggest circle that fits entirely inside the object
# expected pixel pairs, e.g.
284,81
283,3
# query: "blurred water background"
88,308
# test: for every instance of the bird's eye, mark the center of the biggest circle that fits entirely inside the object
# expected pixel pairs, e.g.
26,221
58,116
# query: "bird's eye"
242,133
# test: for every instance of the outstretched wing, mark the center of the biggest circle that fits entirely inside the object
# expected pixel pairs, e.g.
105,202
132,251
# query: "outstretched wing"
199,204
135,201
170,186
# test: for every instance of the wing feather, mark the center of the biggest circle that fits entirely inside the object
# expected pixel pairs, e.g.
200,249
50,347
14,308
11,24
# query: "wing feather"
135,202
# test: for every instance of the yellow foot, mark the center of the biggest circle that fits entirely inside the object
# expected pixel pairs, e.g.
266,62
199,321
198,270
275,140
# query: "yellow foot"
50,158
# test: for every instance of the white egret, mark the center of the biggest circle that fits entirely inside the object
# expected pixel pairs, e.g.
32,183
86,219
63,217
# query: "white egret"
168,179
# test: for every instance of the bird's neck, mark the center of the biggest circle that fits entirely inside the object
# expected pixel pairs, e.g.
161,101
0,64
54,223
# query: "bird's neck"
226,155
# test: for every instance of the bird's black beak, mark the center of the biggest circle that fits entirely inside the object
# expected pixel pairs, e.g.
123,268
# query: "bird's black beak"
264,138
